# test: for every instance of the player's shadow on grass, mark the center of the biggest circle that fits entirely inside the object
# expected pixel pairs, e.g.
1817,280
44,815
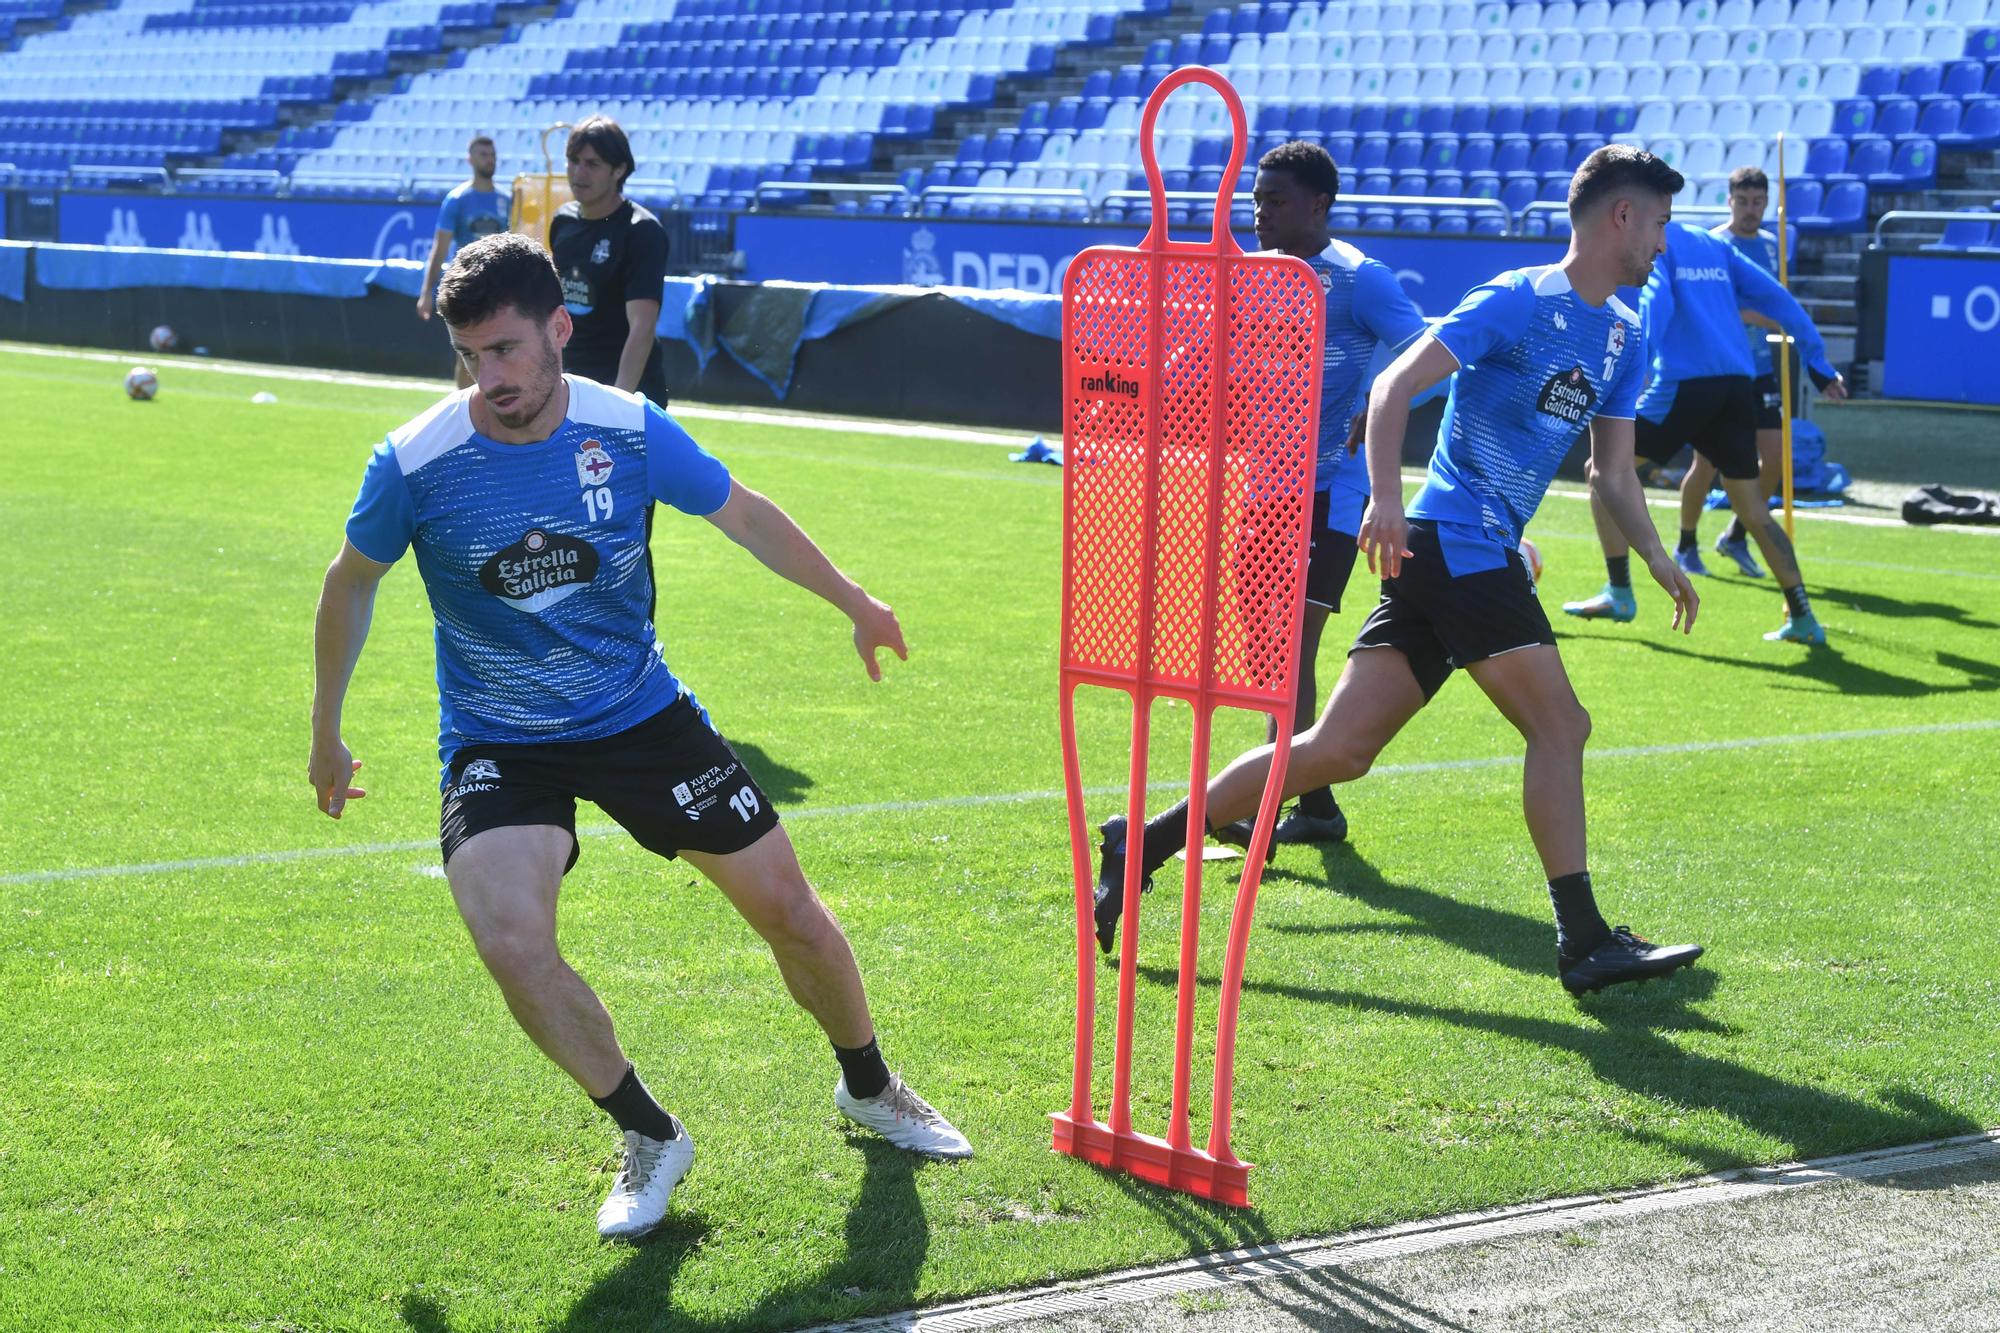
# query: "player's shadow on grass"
1874,604
1838,674
887,1239
1524,943
1621,1039
1333,1300
784,784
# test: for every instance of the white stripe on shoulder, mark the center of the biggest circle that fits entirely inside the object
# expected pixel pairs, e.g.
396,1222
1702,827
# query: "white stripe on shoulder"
443,428
1623,311
1547,279
1340,252
594,404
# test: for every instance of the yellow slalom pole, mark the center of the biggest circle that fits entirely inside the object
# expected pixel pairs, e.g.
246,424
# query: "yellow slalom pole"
1784,353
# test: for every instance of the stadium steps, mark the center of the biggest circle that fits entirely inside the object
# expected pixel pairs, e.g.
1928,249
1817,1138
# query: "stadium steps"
1073,63
365,88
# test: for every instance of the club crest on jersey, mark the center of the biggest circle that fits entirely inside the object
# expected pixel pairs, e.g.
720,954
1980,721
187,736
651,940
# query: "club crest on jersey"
1614,342
1567,396
480,770
539,570
1561,323
593,465
601,251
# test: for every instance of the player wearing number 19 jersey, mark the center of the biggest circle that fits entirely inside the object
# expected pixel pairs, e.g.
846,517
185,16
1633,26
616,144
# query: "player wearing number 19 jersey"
1535,356
525,500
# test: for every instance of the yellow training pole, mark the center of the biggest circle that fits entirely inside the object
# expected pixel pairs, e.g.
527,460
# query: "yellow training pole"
1784,354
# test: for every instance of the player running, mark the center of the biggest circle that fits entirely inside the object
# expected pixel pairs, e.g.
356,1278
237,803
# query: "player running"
1365,304
1536,354
1702,394
1749,196
525,500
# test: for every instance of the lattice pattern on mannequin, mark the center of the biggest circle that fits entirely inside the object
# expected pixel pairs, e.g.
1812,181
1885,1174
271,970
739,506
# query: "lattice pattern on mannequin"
1104,444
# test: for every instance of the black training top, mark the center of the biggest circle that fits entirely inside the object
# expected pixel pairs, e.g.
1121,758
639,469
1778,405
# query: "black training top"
604,263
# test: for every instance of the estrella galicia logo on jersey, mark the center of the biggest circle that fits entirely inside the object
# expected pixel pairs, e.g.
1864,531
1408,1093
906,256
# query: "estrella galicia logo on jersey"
1568,396
539,570
1110,384
593,465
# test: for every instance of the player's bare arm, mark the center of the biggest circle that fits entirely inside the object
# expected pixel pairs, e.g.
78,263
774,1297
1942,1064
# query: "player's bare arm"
1384,531
346,605
1613,476
767,532
433,267
642,319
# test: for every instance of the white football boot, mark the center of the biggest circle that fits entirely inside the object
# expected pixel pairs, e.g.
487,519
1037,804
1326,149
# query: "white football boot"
903,1118
638,1199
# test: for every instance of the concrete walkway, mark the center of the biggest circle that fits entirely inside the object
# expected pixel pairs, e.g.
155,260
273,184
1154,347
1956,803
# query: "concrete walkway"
1902,1239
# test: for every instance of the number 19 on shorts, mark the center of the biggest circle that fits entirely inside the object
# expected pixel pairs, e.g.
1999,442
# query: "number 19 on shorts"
745,804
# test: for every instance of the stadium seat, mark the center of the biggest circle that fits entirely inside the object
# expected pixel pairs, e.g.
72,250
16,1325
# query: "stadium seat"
1845,209
1965,235
1979,130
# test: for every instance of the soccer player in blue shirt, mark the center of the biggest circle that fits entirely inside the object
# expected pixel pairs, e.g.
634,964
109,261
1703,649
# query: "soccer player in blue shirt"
1702,394
1535,356
525,501
472,209
1749,196
1365,305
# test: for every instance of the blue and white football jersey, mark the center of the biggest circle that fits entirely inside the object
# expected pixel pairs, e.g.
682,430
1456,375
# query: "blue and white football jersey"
1761,250
534,556
1365,304
1535,364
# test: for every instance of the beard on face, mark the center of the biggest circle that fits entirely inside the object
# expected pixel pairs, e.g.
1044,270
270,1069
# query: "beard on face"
532,397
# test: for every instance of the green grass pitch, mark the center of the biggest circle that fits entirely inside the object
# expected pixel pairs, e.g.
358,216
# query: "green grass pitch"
275,1089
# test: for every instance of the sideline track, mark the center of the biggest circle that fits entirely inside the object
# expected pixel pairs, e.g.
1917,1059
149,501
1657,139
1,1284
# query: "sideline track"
1234,1269
1004,798
808,421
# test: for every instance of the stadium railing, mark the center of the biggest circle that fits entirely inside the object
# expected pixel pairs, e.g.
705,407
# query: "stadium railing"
784,190
1879,240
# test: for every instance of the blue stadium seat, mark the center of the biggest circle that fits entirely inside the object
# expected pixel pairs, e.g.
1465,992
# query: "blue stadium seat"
1406,151
1854,115
1370,118
1471,118
1519,191
1404,118
1372,152
1964,78
1616,119
1489,224
1410,184
1507,117
1543,119
1914,167
1965,235
1895,116
1550,153
1436,119
1441,152
1870,156
1921,80
1826,157
1414,220
1878,81
1447,184
1845,210
1512,153
1475,153
1482,185
1378,219
1940,117
1980,129
1377,182
1341,218
1093,113
1096,85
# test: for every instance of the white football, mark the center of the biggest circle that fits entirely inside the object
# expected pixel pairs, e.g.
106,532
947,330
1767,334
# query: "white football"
141,384
163,339
1531,555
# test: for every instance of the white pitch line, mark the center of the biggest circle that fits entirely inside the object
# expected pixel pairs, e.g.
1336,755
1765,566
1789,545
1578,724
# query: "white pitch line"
1236,1269
1813,515
441,387
1006,798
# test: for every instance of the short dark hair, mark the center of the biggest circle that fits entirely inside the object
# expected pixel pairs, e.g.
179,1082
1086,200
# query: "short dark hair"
497,271
1749,178
477,140
1308,164
1617,167
606,136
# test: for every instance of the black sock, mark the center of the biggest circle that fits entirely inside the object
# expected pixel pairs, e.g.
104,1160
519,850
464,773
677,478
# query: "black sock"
1619,567
1735,532
1319,803
1579,926
634,1108
1166,833
1797,602
864,1069
1688,541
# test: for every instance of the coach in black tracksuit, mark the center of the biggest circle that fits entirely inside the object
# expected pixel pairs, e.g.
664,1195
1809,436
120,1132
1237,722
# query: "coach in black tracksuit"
612,257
